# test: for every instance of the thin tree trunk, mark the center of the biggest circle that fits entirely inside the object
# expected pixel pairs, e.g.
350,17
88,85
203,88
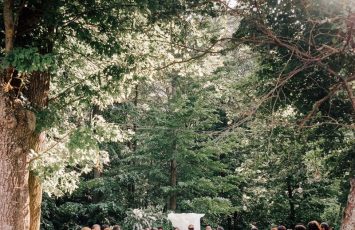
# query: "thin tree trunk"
132,145
173,182
97,169
348,222
35,188
9,23
292,214
173,161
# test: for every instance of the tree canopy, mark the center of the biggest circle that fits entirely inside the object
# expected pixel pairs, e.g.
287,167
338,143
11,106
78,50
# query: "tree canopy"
122,111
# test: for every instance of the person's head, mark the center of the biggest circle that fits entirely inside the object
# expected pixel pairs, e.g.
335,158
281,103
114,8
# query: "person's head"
105,227
85,228
220,228
313,225
96,227
300,227
190,227
160,228
117,227
281,227
324,226
274,228
208,227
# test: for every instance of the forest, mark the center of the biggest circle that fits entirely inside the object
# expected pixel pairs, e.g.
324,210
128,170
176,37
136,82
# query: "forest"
120,112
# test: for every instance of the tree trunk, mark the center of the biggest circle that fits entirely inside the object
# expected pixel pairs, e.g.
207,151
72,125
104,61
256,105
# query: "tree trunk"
21,194
9,22
173,162
17,134
173,180
37,93
132,145
348,222
16,127
35,188
292,214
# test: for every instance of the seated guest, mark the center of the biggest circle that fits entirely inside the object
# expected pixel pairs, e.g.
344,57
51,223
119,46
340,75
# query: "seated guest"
117,227
324,226
313,225
105,227
96,227
300,227
281,227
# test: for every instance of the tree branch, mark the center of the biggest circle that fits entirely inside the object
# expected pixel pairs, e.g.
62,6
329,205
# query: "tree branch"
9,25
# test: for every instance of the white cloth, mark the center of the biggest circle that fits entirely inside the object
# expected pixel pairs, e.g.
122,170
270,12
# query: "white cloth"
183,220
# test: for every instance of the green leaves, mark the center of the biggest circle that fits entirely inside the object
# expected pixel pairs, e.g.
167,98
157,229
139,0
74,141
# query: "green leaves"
28,60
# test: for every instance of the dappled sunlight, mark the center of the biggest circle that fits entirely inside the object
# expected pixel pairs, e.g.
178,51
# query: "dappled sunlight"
183,115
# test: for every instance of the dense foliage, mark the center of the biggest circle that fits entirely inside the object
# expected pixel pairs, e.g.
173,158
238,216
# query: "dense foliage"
243,111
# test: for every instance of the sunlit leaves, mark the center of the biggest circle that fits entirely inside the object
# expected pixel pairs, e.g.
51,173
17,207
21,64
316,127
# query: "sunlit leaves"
28,60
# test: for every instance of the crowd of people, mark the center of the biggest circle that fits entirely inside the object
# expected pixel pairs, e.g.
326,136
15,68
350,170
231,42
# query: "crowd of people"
115,227
313,225
103,227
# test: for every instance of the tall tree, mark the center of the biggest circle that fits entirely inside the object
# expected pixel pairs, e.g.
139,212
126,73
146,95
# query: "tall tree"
33,29
307,50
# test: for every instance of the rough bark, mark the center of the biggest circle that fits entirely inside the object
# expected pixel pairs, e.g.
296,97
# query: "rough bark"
348,222
20,194
16,126
35,188
37,94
